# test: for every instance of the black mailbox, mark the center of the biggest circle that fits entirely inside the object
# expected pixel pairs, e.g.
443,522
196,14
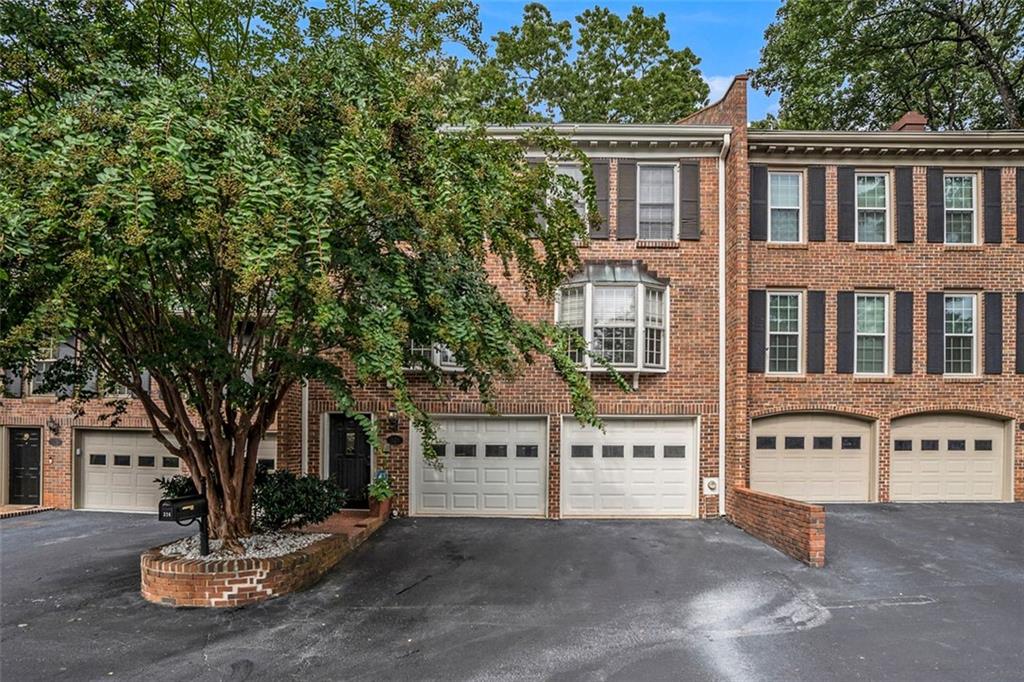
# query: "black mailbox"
183,508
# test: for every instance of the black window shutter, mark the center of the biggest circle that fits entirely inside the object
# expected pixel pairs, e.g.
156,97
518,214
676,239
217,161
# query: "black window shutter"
689,199
600,169
904,360
758,203
993,205
538,214
756,304
816,204
905,205
66,351
1020,205
846,199
993,333
1020,332
844,332
12,383
815,332
936,206
936,337
626,219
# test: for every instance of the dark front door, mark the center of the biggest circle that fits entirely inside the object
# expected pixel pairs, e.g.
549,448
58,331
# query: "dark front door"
24,469
349,459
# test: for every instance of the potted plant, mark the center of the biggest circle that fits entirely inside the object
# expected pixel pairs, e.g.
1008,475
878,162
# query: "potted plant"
380,494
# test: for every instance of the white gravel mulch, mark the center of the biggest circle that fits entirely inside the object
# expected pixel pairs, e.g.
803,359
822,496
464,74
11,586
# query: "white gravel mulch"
262,546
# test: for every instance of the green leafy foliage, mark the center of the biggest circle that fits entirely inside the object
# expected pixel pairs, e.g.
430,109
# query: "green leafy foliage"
380,487
209,239
283,499
862,64
602,68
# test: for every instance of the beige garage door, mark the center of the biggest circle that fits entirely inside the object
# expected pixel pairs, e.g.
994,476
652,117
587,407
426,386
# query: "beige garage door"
116,470
812,457
948,458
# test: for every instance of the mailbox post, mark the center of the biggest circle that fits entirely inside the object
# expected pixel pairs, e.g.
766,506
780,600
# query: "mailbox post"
190,508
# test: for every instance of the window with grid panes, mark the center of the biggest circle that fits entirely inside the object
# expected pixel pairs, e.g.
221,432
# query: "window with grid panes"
872,208
784,332
872,330
959,333
958,195
656,205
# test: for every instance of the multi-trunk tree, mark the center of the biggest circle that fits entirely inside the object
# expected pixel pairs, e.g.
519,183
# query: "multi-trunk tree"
210,239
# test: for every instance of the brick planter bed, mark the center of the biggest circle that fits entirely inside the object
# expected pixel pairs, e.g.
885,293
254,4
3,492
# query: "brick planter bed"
237,582
794,528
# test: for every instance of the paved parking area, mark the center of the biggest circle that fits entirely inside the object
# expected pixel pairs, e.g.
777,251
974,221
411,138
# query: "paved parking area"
930,592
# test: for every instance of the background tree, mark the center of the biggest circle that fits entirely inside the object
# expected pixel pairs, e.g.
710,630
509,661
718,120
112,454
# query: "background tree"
862,64
228,235
603,68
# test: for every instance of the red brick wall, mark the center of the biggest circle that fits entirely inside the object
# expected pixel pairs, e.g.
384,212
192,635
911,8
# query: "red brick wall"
58,447
731,110
688,389
796,529
832,266
236,582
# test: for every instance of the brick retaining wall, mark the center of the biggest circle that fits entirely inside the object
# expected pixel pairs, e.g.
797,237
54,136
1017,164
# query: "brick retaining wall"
794,528
237,582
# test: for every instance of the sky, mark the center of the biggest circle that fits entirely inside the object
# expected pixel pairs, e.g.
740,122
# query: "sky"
726,35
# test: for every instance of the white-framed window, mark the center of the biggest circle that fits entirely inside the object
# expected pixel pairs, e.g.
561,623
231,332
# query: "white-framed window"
871,352
42,362
657,212
959,192
624,323
575,172
873,213
960,333
785,206
437,355
572,314
785,332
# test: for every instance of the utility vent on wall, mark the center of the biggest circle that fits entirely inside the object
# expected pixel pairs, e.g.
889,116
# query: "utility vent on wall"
711,486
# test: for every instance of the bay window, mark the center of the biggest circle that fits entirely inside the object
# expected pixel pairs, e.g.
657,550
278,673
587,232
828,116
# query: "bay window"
621,313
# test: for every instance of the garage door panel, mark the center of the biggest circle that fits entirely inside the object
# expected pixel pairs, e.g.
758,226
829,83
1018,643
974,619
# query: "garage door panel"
639,480
833,464
948,457
504,478
118,470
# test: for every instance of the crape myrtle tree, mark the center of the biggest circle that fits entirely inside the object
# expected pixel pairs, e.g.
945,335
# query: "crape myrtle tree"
220,239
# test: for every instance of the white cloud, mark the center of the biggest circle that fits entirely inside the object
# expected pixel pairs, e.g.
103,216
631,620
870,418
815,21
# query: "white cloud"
718,85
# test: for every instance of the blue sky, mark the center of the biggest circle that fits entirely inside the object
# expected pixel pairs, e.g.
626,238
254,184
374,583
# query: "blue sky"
726,35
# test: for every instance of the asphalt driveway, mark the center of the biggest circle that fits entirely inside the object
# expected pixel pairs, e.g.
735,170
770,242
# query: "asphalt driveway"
930,592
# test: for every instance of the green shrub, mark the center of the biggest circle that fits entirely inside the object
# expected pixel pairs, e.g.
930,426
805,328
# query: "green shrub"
283,499
380,487
279,499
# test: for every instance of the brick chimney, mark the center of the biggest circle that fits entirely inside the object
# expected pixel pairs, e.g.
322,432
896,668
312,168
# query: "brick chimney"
910,122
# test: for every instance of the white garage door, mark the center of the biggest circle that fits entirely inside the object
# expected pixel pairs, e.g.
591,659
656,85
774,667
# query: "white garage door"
811,457
117,470
637,467
948,458
488,467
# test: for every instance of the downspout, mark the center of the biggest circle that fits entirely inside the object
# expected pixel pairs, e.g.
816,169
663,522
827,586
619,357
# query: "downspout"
726,140
305,426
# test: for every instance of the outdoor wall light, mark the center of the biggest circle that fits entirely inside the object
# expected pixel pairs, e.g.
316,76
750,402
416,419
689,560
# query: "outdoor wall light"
392,420
52,425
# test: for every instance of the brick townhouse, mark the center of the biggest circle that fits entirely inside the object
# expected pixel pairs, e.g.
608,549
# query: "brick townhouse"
869,288
51,455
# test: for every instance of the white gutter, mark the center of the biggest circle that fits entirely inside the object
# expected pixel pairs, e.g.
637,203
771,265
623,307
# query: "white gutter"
721,322
305,426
